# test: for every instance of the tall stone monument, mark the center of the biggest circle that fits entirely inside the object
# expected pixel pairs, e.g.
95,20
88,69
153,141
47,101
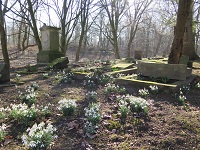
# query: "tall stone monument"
50,45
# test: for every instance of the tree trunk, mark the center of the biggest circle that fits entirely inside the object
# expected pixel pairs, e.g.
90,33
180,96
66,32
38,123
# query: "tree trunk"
115,46
19,36
147,43
79,48
63,36
132,35
4,43
177,45
189,37
3,36
34,26
160,36
24,46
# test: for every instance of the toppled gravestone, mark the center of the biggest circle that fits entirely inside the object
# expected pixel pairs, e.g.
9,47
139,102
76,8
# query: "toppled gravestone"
59,63
4,73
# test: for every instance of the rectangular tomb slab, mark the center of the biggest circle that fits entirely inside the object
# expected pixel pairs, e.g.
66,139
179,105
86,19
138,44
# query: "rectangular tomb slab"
172,87
171,71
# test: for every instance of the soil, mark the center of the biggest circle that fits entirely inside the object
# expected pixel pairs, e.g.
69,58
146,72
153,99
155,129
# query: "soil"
168,125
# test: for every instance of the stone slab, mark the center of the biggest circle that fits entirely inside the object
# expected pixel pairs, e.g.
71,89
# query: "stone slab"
124,71
80,75
123,65
171,71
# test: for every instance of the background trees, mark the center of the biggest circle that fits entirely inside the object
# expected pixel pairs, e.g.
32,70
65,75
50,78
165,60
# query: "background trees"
118,26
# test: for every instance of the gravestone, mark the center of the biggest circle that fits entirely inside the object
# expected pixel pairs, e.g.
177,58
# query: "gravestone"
138,55
171,71
4,73
50,45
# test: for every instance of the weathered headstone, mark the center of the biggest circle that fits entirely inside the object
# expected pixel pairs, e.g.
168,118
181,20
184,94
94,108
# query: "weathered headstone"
50,45
171,71
4,73
138,55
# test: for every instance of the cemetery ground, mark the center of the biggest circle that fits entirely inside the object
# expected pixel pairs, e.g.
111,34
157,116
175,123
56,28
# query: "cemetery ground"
168,123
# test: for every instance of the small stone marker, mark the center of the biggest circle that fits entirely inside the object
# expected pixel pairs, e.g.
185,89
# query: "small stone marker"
138,55
50,45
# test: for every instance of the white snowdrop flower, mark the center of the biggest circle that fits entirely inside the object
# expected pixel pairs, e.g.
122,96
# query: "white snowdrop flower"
24,139
32,144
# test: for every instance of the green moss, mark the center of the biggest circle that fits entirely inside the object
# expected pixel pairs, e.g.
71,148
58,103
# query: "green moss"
114,124
54,62
30,68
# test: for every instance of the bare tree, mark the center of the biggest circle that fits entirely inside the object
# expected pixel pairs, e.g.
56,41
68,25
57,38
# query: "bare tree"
68,15
115,10
85,6
3,32
27,15
134,18
3,35
32,21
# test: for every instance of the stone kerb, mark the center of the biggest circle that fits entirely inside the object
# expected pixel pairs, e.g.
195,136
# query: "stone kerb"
171,71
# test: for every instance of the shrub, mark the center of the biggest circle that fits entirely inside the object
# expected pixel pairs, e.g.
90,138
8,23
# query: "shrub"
181,98
124,109
39,136
97,78
17,78
2,113
154,89
2,132
92,113
114,89
138,105
67,106
22,113
67,77
29,96
91,95
143,93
